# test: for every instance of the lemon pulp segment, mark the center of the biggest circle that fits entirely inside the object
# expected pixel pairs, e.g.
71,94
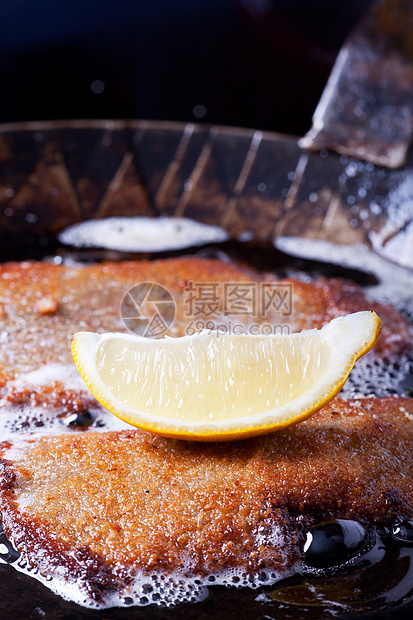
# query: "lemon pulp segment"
212,379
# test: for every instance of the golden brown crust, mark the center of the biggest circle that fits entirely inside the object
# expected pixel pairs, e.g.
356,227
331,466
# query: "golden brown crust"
131,500
42,305
105,505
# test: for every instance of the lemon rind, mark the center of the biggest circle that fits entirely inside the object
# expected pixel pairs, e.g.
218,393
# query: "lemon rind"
85,345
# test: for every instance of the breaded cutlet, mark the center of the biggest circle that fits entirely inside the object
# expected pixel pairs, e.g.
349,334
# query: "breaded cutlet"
99,507
108,506
43,304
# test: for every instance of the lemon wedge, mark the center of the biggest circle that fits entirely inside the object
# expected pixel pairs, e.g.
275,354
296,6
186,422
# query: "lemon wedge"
211,386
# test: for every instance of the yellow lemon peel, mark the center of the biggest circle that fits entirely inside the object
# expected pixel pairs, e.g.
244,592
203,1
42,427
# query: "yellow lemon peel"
213,387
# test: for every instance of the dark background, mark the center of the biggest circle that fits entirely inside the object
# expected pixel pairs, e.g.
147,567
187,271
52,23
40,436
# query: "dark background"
249,63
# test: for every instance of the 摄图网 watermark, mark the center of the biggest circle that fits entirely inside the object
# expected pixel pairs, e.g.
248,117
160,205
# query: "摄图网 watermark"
149,309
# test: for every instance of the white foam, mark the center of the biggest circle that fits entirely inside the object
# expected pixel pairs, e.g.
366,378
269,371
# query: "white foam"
142,234
49,373
160,588
372,376
394,280
39,420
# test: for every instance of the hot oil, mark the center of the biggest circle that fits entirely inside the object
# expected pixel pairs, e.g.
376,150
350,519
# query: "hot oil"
374,573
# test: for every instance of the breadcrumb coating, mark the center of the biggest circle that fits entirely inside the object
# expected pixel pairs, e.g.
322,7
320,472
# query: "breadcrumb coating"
42,305
106,505
130,501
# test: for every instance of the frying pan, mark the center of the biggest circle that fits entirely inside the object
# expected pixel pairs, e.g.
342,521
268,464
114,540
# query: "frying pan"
271,194
260,187
56,175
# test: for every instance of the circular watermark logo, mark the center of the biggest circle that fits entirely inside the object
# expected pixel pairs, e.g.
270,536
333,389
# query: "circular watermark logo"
148,309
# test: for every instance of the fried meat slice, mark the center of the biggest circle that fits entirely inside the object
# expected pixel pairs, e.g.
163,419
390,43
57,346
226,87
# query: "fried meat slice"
106,506
42,304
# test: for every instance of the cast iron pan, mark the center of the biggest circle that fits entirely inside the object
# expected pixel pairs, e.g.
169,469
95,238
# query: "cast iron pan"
258,187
